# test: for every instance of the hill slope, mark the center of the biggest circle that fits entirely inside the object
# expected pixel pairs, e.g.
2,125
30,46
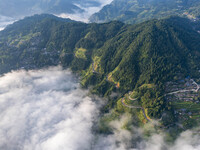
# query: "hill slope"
113,57
21,8
135,11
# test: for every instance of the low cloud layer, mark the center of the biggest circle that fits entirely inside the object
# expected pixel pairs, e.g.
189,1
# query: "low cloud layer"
47,110
4,21
87,7
88,11
44,110
134,138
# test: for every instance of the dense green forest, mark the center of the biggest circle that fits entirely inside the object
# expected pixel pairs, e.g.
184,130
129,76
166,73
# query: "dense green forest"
111,57
135,11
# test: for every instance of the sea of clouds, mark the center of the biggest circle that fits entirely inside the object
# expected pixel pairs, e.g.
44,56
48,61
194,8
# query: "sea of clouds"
4,21
47,110
88,11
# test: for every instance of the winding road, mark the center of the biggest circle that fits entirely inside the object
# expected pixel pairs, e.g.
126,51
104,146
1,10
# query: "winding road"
133,99
135,107
129,105
198,87
139,107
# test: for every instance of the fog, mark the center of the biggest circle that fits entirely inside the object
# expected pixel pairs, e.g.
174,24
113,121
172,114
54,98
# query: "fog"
47,110
79,10
88,11
135,139
4,21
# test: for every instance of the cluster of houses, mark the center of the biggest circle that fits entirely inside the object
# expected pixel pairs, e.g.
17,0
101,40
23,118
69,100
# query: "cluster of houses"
185,90
191,17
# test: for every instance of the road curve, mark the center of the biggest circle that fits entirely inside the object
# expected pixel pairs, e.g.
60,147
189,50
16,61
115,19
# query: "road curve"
129,105
133,99
135,107
145,116
138,107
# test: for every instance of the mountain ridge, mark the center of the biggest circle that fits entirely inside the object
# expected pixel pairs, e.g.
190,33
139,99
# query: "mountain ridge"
136,11
111,57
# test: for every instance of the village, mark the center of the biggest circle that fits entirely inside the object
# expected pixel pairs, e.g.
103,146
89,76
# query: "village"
184,95
32,56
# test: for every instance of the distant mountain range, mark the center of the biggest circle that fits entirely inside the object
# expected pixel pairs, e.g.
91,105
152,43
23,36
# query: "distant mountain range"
21,8
13,10
135,11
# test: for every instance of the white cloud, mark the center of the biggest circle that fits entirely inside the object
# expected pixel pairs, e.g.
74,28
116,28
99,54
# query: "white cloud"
4,21
47,110
44,109
188,140
121,138
104,2
133,139
83,16
88,11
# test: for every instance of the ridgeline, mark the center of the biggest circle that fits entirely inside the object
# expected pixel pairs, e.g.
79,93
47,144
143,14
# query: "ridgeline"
111,57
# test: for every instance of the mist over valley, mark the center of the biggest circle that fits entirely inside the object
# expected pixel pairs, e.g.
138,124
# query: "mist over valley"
69,82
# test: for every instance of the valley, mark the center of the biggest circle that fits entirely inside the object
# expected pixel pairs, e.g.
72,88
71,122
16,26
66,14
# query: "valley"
100,74
151,67
136,11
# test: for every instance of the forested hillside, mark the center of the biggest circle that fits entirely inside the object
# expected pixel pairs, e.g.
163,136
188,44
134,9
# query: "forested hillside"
112,57
135,11
21,8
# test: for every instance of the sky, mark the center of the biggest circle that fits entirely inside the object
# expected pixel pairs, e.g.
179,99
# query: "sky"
47,110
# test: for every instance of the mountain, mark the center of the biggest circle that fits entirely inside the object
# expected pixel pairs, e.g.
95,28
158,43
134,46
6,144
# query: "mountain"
23,8
149,61
12,10
135,11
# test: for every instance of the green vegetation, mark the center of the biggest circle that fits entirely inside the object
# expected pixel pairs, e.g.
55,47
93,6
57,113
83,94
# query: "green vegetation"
134,95
111,57
136,11
187,105
80,53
